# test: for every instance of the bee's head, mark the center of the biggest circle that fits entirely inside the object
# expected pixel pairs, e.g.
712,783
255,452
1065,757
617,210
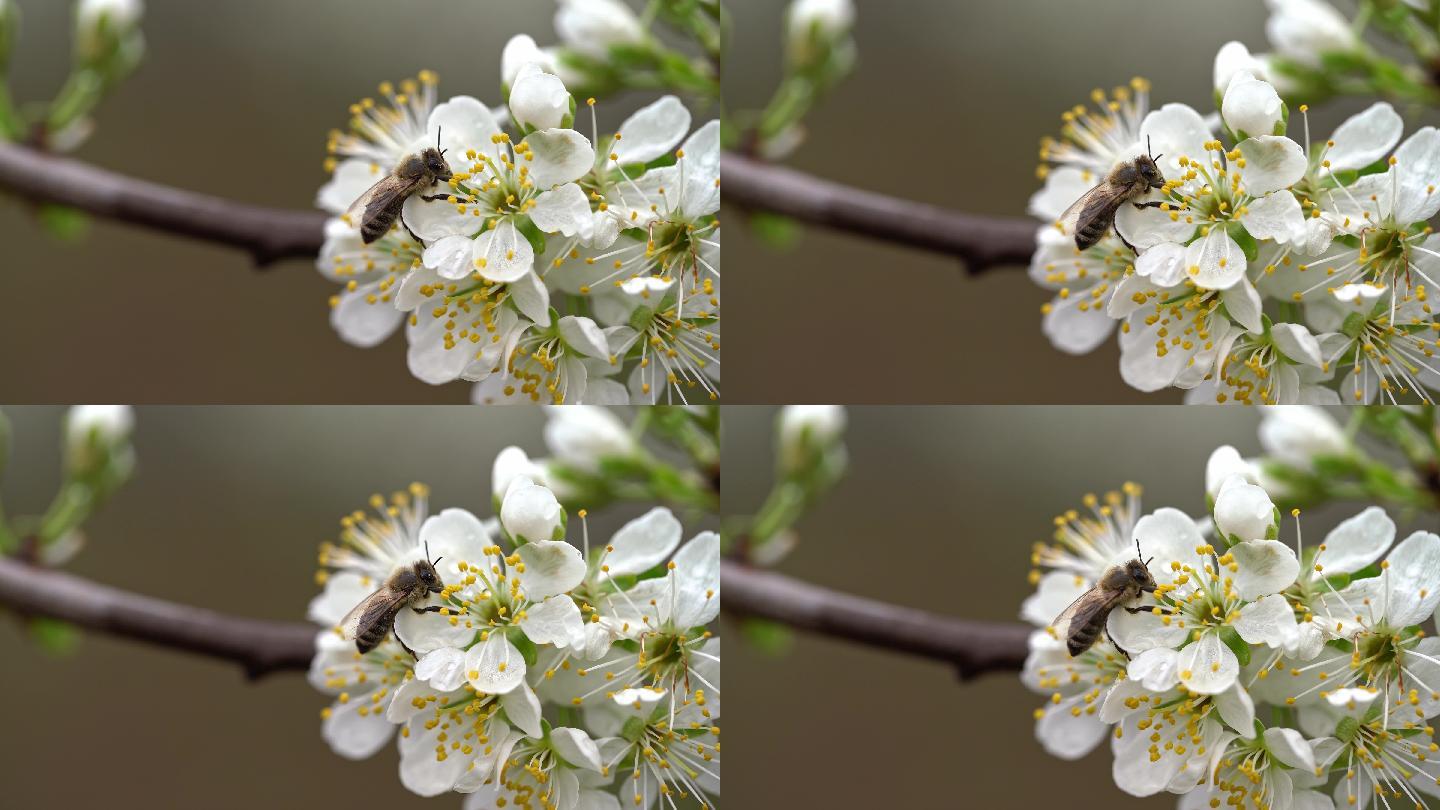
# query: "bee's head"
435,163
1146,167
428,576
1140,574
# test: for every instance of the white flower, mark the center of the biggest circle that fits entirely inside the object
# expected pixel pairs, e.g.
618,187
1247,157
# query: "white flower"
560,771
365,311
369,550
1174,336
1388,348
520,51
676,338
593,27
1281,367
1076,320
1377,756
1251,106
1224,463
1201,594
381,135
664,761
537,98
1306,30
1090,144
1085,545
1069,726
802,429
1234,58
1297,434
1165,739
1243,511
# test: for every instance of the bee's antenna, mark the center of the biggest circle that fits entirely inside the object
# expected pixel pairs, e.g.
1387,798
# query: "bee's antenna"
1147,146
427,554
438,130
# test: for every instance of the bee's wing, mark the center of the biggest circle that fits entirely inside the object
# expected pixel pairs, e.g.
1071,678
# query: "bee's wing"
379,602
1080,612
1096,199
380,196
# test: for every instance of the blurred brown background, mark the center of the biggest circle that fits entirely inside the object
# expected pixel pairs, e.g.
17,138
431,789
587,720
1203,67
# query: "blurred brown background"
226,511
947,105
234,98
939,512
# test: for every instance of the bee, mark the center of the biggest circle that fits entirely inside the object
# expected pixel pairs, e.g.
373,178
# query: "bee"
1089,217
371,620
378,208
1081,623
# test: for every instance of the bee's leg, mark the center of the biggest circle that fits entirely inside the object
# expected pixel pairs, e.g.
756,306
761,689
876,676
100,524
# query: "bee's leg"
405,647
1163,611
1117,646
406,226
1126,241
429,609
1150,204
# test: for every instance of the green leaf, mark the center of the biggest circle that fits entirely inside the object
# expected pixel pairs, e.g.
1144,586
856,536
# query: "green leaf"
54,635
524,645
776,231
771,638
63,222
1236,644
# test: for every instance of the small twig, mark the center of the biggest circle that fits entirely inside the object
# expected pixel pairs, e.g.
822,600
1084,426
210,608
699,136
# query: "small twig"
972,647
259,646
268,234
982,242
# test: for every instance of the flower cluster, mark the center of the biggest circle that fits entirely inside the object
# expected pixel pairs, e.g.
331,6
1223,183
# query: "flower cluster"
1267,269
1258,674
544,675
553,266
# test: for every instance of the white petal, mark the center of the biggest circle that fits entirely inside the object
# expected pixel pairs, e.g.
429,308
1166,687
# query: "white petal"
1069,730
449,257
1266,567
351,179
362,322
697,573
1208,666
520,51
503,253
522,709
576,748
584,335
551,568
443,669
1237,709
1155,669
354,735
531,297
1357,542
559,156
456,535
1296,342
1214,261
531,512
1417,165
495,666
643,543
1414,574
652,131
1055,591
1272,163
554,621
1242,301
1163,264
1289,746
1138,632
461,123
1274,216
563,210
1365,137
1269,621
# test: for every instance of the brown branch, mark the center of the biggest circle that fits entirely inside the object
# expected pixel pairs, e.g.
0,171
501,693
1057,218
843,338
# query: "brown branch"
982,242
259,646
268,234
972,647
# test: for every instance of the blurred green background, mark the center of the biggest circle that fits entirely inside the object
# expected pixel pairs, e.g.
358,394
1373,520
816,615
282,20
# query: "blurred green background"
947,105
227,510
234,98
939,512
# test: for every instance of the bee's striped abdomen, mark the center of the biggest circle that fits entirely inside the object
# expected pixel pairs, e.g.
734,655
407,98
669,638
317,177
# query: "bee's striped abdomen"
378,224
372,634
1082,636
1092,231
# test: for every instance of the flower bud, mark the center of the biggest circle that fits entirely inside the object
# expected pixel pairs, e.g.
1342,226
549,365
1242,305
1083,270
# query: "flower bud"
95,434
582,436
1251,106
1244,511
805,432
530,511
1297,434
106,26
520,51
1224,463
592,27
538,99
810,25
1306,30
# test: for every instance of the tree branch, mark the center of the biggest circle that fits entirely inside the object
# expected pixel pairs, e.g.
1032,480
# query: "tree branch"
259,646
972,647
268,234
982,242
